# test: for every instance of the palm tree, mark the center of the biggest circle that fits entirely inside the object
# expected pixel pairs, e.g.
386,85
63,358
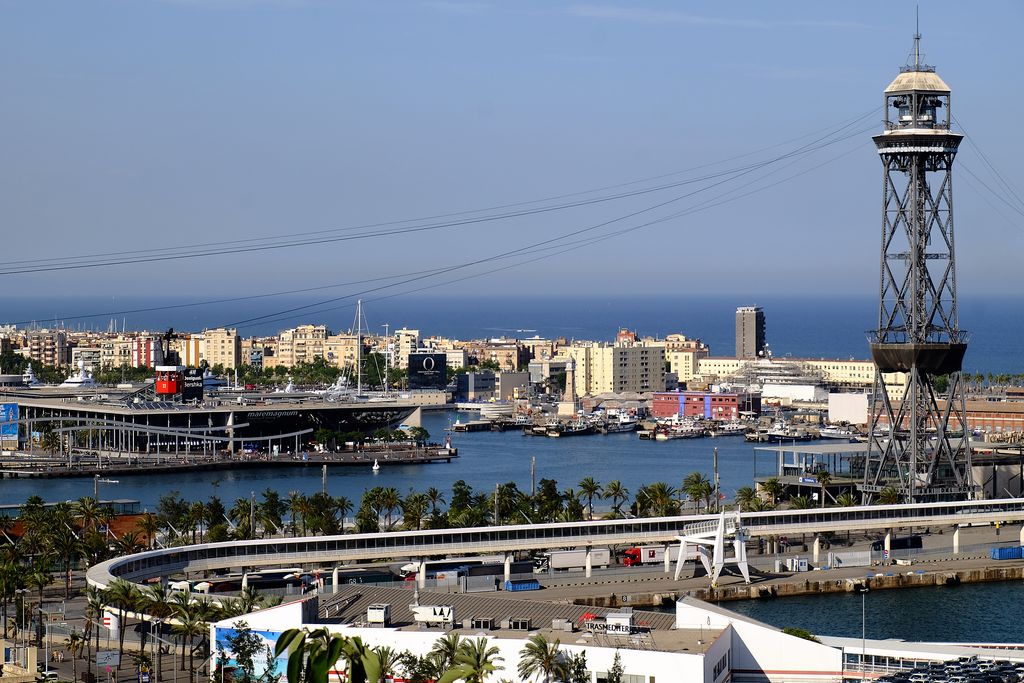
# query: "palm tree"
38,578
774,488
390,501
240,514
95,602
445,649
125,597
312,655
75,643
435,498
87,509
474,662
68,547
800,502
414,508
10,581
824,477
698,487
389,659
745,495
589,487
889,495
539,657
129,543
293,507
148,525
618,494
846,500
343,506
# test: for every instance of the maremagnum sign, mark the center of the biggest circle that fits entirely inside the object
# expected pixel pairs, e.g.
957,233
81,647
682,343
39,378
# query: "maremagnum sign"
8,421
428,371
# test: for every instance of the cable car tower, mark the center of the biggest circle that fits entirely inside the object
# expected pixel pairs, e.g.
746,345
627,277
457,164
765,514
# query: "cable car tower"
918,443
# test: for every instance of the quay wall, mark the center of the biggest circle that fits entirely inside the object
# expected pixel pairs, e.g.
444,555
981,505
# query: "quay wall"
807,584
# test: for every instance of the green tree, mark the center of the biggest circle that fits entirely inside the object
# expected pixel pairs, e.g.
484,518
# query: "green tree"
618,494
800,633
311,656
445,650
745,495
889,495
774,488
590,488
474,662
539,657
824,479
616,673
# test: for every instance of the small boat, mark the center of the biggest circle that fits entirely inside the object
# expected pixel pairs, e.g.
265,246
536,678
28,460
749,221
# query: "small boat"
835,432
376,466
734,428
577,428
619,424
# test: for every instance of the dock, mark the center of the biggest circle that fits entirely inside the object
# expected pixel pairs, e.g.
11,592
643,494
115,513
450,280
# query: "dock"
28,466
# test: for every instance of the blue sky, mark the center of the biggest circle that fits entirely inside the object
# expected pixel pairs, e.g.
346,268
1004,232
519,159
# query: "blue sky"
132,124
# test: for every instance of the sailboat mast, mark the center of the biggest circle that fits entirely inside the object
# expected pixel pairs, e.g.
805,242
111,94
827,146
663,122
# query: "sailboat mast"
359,347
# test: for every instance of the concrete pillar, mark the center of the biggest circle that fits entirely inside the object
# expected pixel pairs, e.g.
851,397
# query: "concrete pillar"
421,574
888,544
245,580
817,549
334,580
508,568
956,541
668,558
588,565
1022,535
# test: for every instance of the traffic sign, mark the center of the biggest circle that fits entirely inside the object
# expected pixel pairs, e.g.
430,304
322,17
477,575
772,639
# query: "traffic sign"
108,658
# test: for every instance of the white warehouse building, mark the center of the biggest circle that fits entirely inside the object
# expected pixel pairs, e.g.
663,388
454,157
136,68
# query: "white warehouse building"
698,643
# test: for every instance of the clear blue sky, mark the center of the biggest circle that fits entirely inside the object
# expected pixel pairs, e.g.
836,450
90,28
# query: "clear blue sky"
144,123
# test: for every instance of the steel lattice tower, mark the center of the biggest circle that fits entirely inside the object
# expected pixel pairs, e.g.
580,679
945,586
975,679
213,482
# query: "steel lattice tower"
919,443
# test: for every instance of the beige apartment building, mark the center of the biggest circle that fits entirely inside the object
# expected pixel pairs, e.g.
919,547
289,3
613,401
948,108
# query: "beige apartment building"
406,342
617,369
342,350
684,363
221,346
47,346
302,344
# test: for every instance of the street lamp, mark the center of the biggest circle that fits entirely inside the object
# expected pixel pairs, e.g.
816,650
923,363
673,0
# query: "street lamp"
23,592
863,631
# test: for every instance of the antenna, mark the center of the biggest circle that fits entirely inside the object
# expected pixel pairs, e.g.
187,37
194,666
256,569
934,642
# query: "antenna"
917,36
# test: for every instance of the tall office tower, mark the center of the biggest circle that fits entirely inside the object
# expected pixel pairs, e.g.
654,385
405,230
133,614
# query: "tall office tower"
750,332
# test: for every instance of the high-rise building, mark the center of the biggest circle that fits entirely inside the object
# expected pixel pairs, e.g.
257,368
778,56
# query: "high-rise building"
750,332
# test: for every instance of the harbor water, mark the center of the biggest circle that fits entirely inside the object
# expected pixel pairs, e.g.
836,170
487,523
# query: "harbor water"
979,612
485,459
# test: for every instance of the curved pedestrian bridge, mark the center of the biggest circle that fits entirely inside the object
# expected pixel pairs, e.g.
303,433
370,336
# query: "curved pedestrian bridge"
326,550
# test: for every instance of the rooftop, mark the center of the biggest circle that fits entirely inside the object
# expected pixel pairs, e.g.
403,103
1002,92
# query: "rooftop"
928,81
655,630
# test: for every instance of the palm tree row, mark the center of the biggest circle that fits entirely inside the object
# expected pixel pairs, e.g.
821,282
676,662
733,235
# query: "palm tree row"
452,658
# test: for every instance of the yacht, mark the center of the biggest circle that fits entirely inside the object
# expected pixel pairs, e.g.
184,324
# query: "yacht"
81,379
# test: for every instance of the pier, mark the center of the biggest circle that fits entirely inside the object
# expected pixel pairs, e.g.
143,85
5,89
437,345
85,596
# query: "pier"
49,467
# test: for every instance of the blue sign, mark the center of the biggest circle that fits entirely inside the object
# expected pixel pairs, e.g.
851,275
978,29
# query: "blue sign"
8,420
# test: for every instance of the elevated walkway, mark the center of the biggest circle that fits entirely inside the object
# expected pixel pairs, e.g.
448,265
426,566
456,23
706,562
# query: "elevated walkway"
324,550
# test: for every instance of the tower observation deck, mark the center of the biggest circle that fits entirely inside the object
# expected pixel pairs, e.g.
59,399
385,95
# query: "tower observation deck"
919,443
